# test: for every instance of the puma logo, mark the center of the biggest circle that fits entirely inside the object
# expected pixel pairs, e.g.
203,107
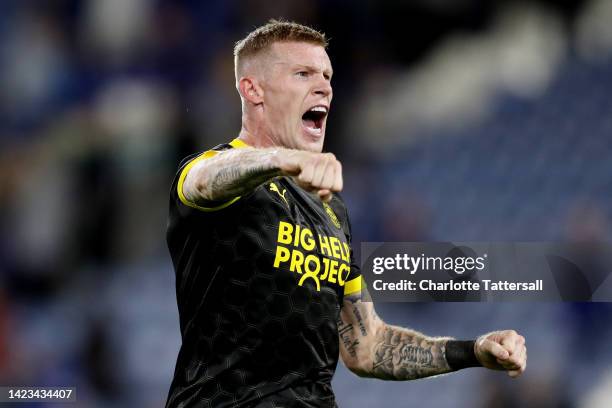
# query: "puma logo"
274,187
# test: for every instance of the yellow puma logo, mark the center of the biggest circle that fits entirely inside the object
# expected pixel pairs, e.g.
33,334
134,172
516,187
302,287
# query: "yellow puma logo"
274,187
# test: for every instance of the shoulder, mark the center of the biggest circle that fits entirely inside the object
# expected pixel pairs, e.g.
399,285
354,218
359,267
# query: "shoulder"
202,155
185,166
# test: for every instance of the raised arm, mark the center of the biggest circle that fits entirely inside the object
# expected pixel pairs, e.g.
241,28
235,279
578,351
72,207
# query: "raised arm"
371,348
238,171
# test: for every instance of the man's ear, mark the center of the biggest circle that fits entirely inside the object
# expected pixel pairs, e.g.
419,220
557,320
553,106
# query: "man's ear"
250,90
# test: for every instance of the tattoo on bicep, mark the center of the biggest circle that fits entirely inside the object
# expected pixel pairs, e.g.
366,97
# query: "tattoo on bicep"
401,354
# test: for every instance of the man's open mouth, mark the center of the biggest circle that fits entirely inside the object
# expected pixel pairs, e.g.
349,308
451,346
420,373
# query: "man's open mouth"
313,118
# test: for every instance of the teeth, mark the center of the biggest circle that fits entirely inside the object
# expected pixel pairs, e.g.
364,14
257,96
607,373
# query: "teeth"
316,131
319,109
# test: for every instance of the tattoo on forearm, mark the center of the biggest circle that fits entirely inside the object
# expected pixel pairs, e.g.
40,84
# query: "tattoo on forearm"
377,349
360,314
234,181
359,320
347,336
401,354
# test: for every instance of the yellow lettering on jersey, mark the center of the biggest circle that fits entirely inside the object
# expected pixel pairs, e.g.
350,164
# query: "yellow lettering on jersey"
282,255
326,262
296,239
284,232
297,259
307,239
324,245
343,272
333,271
330,262
347,252
311,272
335,245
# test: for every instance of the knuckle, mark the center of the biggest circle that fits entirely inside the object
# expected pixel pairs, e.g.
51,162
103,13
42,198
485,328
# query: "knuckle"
306,170
304,157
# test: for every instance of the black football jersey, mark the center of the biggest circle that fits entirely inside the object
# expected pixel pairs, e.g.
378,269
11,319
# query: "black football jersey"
260,280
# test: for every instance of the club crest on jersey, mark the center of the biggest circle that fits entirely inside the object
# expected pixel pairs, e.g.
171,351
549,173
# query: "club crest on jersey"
274,187
331,215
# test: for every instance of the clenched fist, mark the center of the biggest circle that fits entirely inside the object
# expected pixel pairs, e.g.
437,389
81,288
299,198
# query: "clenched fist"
320,172
502,350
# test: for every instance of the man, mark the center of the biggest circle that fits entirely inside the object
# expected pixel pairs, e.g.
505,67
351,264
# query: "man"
268,291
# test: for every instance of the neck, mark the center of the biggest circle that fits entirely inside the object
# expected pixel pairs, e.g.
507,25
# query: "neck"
256,135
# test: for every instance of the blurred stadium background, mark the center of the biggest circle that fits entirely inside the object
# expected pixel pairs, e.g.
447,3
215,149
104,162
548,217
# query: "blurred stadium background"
455,119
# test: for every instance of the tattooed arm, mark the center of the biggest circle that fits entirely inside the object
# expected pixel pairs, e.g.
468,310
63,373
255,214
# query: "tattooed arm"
238,171
371,348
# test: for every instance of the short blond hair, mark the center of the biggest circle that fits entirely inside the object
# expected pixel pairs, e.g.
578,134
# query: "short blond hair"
273,31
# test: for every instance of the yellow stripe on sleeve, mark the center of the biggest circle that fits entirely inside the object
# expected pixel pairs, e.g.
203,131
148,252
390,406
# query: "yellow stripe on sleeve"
181,181
352,286
237,144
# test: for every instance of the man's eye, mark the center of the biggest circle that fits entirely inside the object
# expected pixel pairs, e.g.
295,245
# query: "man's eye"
303,74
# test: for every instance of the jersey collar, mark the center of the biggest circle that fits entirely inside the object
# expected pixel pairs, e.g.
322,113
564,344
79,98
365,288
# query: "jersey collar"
238,143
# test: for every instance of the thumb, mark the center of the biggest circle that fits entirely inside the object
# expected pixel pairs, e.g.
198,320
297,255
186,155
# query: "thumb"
514,373
325,195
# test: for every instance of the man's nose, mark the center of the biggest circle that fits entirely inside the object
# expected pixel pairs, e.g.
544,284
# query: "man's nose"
323,88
